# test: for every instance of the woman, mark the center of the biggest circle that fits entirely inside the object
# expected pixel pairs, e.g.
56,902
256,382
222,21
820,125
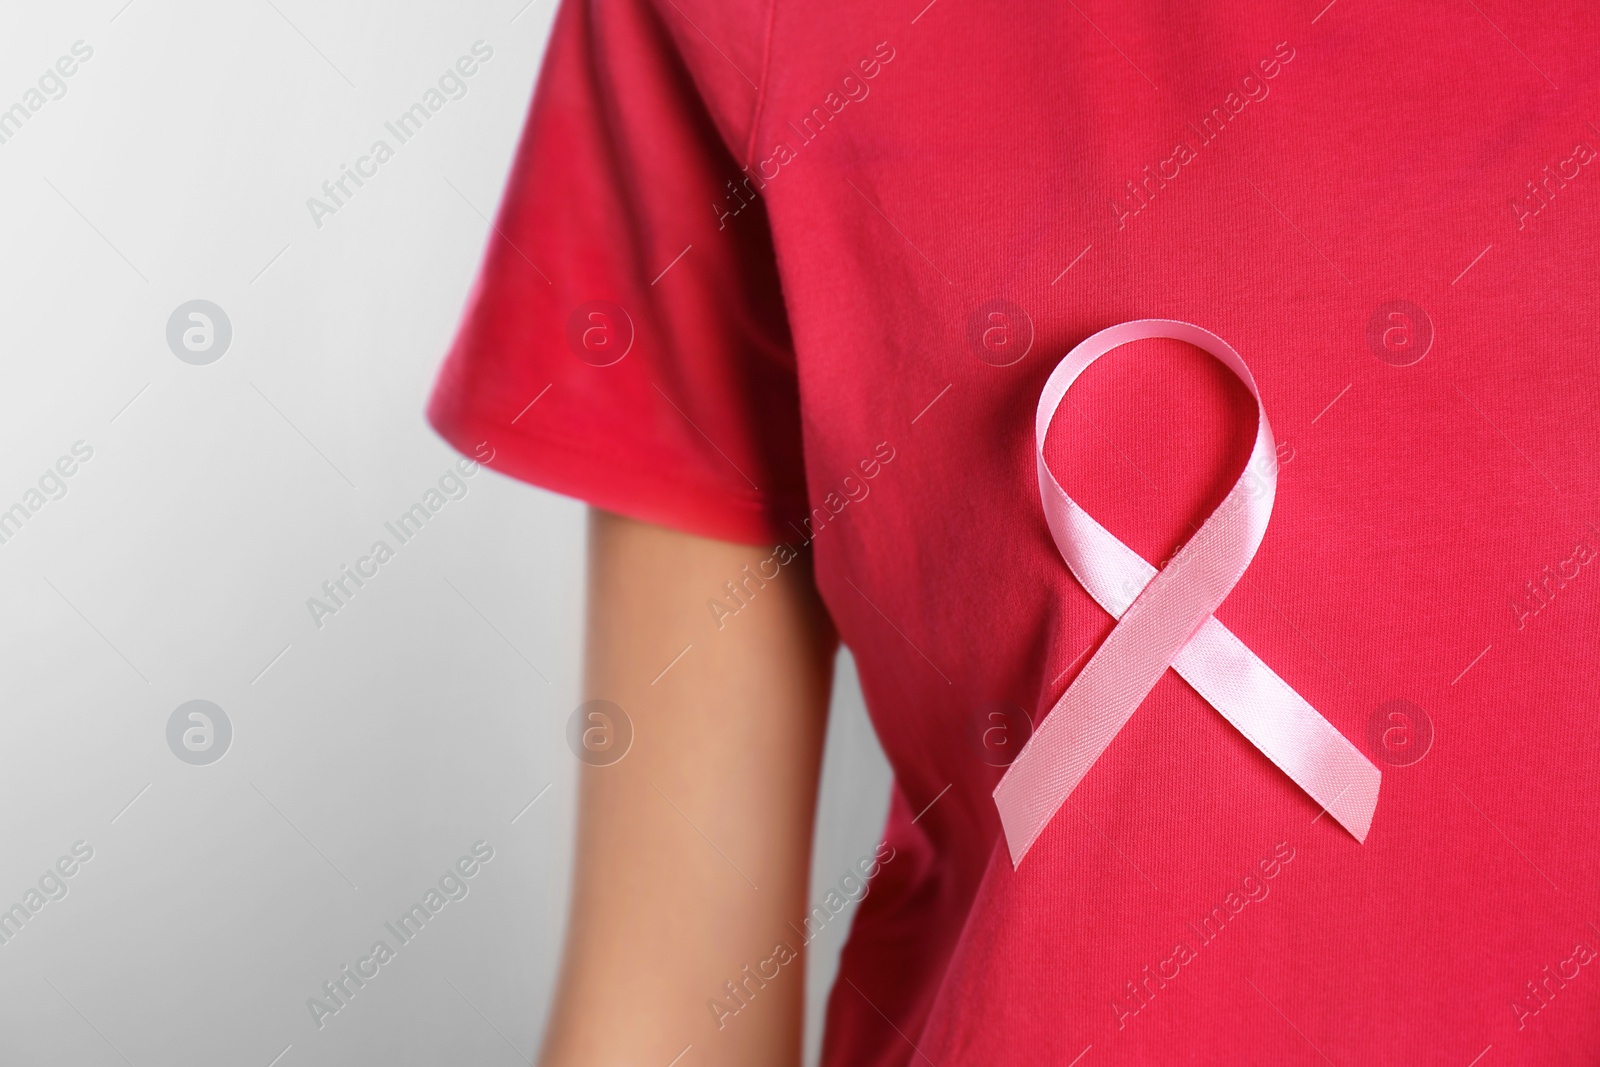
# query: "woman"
776,288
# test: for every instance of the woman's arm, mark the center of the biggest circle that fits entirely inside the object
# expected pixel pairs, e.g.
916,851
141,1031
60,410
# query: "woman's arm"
693,851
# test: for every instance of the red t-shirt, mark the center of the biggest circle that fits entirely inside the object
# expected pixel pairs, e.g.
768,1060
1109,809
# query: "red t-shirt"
795,276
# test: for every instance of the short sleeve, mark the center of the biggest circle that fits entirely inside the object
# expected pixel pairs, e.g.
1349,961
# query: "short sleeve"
625,341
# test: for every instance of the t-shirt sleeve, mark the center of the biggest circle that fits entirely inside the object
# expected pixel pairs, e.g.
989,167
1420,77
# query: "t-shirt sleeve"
625,341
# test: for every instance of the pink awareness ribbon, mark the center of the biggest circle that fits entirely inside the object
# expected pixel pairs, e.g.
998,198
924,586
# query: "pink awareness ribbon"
1164,618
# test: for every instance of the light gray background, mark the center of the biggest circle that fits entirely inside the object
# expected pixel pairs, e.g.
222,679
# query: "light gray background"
367,755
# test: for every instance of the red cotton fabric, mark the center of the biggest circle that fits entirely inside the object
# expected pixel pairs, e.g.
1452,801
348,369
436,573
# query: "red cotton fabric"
839,248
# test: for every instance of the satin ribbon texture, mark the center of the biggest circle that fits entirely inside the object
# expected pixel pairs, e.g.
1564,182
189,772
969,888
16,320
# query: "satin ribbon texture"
1164,618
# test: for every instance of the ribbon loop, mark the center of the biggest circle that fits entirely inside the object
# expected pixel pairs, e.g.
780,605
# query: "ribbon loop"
1164,619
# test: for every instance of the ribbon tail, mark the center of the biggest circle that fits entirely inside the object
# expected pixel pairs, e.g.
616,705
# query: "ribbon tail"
1244,690
1279,722
1055,759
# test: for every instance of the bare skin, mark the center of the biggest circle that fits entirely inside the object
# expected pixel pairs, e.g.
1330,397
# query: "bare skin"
694,850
